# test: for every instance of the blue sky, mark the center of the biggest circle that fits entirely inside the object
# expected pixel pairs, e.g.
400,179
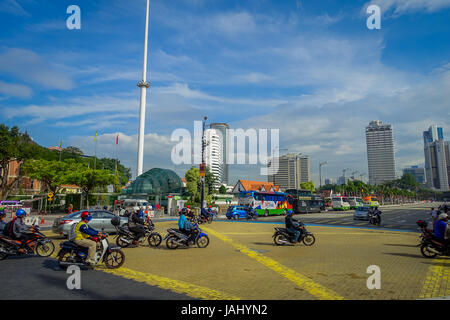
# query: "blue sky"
309,68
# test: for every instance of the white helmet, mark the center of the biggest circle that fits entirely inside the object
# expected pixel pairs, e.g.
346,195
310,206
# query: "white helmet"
443,216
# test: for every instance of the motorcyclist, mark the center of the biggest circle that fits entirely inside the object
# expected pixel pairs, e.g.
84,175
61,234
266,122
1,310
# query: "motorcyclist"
377,213
442,229
83,234
20,230
136,224
184,225
250,211
293,225
2,220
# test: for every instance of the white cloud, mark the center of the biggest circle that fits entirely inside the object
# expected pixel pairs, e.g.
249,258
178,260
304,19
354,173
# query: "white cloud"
15,90
30,67
400,7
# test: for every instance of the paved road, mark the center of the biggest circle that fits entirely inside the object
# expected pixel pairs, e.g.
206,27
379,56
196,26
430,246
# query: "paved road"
401,218
36,278
242,262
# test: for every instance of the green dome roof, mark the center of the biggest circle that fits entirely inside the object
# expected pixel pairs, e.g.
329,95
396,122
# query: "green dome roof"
155,182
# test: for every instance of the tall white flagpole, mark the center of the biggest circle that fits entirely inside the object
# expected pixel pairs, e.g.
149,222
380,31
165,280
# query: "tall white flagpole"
143,85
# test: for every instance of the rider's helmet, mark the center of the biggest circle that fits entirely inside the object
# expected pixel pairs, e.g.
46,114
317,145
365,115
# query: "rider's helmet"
141,214
86,216
21,213
443,216
184,211
289,212
2,213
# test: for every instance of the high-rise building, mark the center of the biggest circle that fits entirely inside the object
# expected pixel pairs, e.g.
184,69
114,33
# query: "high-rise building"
328,181
214,154
293,169
221,129
417,173
437,159
380,152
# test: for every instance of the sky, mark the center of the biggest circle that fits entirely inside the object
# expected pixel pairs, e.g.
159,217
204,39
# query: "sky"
311,69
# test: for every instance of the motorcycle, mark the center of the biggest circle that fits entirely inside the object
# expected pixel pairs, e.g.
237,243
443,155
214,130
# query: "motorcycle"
430,247
125,237
375,219
39,244
72,254
251,215
176,238
204,219
282,236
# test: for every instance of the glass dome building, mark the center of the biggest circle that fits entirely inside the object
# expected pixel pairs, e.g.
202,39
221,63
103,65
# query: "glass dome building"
155,182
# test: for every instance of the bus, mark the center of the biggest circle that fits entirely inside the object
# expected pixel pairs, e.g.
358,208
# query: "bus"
266,203
305,202
355,202
340,203
371,201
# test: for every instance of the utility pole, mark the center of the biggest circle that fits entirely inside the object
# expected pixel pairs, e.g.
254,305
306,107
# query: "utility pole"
143,85
320,172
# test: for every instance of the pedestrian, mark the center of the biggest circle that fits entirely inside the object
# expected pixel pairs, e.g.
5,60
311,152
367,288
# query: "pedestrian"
434,217
70,209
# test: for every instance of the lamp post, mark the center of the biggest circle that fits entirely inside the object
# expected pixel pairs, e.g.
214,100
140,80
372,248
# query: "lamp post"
203,165
143,85
320,172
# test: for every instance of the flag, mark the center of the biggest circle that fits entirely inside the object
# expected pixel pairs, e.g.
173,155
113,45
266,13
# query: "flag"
60,144
95,138
117,139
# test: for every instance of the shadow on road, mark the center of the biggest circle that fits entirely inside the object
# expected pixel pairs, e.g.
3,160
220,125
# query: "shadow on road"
401,245
407,255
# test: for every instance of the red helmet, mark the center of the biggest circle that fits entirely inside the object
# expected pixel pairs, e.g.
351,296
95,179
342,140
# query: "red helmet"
84,214
187,206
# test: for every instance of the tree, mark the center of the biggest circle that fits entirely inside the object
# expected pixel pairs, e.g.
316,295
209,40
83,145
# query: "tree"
72,149
89,179
222,189
193,183
308,186
51,173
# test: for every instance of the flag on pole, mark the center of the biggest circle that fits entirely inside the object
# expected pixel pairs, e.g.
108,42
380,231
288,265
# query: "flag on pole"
95,138
60,143
117,139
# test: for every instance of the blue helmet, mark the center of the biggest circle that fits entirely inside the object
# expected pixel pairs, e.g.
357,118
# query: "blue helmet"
290,211
141,214
2,212
21,213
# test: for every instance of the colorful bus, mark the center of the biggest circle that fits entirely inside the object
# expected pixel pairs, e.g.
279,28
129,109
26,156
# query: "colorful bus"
371,201
266,203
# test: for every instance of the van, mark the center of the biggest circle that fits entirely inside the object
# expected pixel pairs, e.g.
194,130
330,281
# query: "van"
355,202
340,203
133,205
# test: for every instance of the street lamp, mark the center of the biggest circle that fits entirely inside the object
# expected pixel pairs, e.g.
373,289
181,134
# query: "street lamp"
203,165
143,85
320,172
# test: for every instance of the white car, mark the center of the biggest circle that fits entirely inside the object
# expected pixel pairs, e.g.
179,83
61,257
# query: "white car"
361,213
132,205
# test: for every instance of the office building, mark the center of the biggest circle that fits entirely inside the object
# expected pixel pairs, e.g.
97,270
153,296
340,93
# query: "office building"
417,173
437,159
214,154
328,181
380,152
293,169
221,129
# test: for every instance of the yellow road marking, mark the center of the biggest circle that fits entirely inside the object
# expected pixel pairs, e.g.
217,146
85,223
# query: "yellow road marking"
313,288
171,284
437,281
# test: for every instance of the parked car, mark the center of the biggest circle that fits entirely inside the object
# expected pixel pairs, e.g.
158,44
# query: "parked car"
100,220
361,213
236,212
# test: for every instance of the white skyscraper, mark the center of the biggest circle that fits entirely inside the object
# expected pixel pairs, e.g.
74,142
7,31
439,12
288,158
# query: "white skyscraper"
214,154
293,169
380,152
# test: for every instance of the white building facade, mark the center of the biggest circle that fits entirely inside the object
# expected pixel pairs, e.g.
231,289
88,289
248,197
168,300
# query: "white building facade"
214,154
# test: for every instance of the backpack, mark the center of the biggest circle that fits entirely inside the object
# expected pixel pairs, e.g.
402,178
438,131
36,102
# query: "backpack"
72,234
8,230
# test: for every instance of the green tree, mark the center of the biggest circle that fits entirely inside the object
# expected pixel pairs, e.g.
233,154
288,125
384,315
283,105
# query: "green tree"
222,189
89,180
72,149
51,173
308,186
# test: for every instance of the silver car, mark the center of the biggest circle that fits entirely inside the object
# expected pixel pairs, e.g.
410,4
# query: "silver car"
361,213
101,219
